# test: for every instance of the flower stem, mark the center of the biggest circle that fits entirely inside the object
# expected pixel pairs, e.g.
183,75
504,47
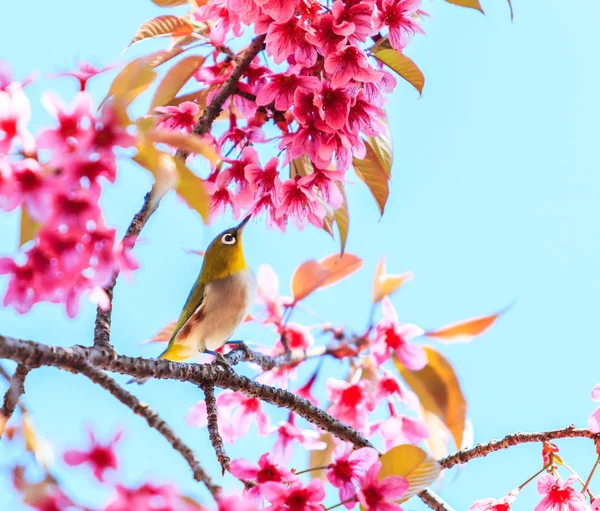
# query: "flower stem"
589,479
579,479
546,467
311,469
352,499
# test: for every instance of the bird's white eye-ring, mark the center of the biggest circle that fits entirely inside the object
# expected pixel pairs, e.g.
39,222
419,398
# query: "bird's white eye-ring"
228,239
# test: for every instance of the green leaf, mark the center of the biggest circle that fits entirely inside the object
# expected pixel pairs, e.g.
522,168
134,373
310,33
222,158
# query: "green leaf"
191,189
412,463
471,4
402,65
375,168
29,227
439,392
342,220
175,79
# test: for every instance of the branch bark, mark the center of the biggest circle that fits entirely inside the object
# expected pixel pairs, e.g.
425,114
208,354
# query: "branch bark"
434,501
213,427
15,390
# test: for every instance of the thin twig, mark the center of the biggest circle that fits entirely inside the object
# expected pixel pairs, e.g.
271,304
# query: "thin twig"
434,501
153,419
13,394
213,427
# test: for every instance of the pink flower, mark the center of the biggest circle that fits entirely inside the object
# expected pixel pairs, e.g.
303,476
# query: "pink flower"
149,497
100,457
109,131
287,434
351,401
300,202
237,503
364,116
264,181
221,18
334,106
327,182
558,495
221,197
84,72
298,338
197,415
281,88
294,497
305,390
280,10
353,21
244,411
178,118
503,504
15,112
262,473
594,418
350,63
377,495
348,468
236,173
388,385
290,38
390,336
400,429
399,17
268,293
324,38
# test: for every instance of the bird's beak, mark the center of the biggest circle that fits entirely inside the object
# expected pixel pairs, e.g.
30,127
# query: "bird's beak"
243,223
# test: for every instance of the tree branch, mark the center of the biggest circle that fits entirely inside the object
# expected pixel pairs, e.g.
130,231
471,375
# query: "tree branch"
15,390
213,427
153,419
434,501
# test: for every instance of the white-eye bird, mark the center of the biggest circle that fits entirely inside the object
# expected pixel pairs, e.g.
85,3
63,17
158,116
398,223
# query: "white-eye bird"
219,300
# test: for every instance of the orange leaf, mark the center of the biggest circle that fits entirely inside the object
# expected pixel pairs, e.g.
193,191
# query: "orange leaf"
471,4
402,65
175,79
164,335
161,26
308,277
339,267
187,141
384,284
169,3
464,331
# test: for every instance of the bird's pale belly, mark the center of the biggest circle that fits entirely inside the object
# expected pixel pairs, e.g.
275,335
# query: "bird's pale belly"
226,304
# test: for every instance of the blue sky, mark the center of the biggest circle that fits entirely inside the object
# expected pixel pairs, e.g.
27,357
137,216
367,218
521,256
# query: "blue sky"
494,197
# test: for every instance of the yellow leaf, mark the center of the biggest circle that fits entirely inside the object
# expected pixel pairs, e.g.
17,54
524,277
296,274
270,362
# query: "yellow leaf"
164,335
321,457
169,25
29,227
464,331
384,284
339,267
306,278
186,141
175,79
133,79
301,166
198,97
191,189
412,463
169,3
471,4
402,65
437,441
342,220
375,168
160,57
439,392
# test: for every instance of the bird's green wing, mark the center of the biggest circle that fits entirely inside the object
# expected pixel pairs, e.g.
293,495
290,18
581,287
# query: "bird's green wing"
194,300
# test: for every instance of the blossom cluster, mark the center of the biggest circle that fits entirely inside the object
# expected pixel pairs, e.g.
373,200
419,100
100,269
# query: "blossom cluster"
55,178
320,88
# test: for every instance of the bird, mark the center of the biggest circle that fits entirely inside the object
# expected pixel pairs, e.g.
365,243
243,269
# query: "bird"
218,302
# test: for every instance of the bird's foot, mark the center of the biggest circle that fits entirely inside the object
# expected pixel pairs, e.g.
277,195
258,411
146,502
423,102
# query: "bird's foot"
219,359
241,345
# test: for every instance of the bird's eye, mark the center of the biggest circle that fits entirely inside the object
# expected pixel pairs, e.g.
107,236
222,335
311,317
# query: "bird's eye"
228,239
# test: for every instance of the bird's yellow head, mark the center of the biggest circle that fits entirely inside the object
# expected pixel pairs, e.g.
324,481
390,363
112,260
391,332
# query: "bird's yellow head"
225,255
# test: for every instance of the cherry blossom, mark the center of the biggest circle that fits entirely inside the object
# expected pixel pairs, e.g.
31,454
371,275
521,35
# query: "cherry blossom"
100,457
262,473
300,202
559,495
178,118
295,497
400,429
237,503
391,336
503,504
242,412
594,418
351,401
377,495
348,469
288,433
399,17
151,497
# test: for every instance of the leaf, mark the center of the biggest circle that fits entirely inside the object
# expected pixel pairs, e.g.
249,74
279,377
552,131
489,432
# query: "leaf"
164,335
133,79
437,441
471,4
175,79
339,267
160,57
308,277
342,220
301,166
187,141
191,189
375,168
438,390
29,227
321,457
168,25
384,284
403,66
169,3
413,463
464,331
